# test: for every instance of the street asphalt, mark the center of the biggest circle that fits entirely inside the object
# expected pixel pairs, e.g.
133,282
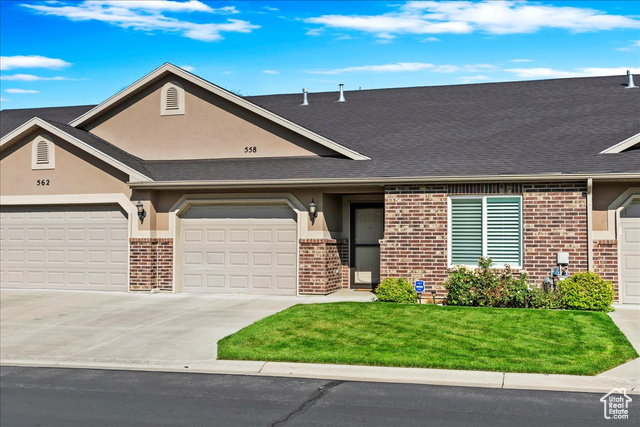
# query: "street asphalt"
78,397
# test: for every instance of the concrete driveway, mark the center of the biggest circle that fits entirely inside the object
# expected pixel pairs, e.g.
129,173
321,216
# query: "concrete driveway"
60,326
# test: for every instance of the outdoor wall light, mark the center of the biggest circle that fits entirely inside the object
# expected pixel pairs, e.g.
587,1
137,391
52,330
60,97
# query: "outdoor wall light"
313,211
142,214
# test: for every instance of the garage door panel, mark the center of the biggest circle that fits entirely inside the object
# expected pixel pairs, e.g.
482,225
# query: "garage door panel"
238,259
286,236
216,281
286,283
263,236
80,247
286,259
250,255
238,236
216,259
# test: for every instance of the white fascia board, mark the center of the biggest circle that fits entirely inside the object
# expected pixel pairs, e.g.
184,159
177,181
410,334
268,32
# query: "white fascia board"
417,180
217,90
621,146
134,175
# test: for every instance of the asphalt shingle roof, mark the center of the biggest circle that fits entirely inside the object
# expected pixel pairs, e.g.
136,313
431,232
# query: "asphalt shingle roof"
533,127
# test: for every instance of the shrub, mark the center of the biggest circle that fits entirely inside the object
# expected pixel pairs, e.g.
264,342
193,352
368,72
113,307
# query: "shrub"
396,290
542,298
586,291
487,287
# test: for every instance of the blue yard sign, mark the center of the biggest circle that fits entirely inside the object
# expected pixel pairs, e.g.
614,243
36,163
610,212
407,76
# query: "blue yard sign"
419,286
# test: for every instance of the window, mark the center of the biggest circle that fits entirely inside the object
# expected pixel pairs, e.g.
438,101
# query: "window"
172,99
43,153
489,226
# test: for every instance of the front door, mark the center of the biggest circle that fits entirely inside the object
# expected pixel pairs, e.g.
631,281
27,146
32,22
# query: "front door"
367,228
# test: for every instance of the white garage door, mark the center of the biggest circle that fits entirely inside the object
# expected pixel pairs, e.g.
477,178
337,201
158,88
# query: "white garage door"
630,253
239,249
74,248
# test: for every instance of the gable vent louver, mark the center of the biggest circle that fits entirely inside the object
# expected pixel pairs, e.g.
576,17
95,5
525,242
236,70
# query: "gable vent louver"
172,98
42,155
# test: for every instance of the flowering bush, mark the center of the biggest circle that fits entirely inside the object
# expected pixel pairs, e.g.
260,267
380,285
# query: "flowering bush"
487,287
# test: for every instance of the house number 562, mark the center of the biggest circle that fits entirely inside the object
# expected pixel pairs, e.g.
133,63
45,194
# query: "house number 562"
42,182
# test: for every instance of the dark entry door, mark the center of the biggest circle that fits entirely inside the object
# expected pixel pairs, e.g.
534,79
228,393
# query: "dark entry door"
367,228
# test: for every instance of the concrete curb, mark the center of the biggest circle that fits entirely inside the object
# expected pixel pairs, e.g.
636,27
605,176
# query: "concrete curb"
440,377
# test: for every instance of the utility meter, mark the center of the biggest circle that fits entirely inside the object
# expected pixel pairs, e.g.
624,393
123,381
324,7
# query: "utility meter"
562,258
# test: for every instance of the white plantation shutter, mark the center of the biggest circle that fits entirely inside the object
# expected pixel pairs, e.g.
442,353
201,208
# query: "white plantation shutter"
466,231
503,230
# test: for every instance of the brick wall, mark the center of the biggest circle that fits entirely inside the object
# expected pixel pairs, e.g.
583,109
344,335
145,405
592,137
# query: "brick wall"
555,220
605,261
321,265
151,264
415,242
415,235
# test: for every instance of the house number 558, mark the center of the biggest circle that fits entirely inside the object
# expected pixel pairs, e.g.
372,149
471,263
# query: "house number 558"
42,182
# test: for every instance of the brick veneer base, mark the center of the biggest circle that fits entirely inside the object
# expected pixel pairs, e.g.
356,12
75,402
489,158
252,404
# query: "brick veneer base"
605,261
415,243
151,264
322,265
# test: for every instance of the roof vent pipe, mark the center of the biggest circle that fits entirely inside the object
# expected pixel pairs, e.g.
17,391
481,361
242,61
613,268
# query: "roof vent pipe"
630,85
341,98
304,96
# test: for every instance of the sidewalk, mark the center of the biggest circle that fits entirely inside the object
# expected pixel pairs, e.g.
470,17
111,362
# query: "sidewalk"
103,355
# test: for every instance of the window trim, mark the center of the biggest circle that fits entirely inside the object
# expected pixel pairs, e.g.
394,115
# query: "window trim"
51,153
164,111
483,197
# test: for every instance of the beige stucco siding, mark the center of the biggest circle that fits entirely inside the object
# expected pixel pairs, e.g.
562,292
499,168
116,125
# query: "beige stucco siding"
76,172
604,194
329,201
210,128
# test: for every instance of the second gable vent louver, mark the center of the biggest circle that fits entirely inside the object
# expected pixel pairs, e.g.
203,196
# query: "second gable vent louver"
172,98
42,156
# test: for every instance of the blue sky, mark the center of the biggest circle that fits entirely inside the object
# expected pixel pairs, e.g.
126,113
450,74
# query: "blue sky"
81,52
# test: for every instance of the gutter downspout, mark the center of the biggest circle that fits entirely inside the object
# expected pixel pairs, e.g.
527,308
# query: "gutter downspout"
589,224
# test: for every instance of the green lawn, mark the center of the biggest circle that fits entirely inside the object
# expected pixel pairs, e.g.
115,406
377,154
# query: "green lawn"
428,336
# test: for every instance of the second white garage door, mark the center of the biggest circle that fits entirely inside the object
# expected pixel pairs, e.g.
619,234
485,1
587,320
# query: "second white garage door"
239,249
630,253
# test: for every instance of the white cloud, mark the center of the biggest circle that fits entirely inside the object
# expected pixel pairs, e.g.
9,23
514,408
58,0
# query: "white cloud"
5,100
521,60
226,72
431,39
270,9
635,44
31,61
188,68
30,78
493,17
470,68
549,73
342,37
386,68
161,5
314,32
148,16
270,72
471,79
21,91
